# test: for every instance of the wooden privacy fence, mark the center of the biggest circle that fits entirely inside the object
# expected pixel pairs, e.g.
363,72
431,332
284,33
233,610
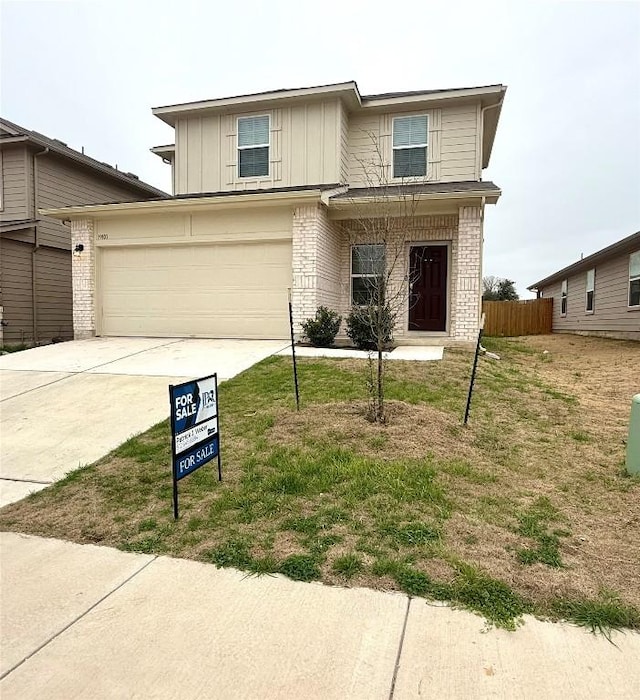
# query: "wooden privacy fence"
530,317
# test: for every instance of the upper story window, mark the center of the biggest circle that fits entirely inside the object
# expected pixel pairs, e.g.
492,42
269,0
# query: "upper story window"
591,290
634,279
253,146
367,270
410,146
563,298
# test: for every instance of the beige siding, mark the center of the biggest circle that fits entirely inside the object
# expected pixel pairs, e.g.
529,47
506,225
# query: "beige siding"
303,149
453,147
611,313
344,144
460,144
15,203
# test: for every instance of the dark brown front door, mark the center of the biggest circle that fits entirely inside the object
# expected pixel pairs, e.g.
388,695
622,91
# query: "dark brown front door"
428,288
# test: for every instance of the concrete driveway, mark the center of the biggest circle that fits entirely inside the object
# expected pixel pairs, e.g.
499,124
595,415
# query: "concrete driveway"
63,406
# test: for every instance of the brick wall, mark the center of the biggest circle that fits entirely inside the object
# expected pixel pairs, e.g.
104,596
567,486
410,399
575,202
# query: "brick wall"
84,279
316,248
469,274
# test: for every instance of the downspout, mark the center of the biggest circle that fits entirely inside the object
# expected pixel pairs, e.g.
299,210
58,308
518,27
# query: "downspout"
482,111
36,243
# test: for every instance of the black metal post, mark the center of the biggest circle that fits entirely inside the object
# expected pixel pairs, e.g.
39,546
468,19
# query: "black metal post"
293,354
173,455
218,427
473,377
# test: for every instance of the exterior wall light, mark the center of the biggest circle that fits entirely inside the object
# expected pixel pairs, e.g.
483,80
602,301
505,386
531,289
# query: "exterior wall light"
78,249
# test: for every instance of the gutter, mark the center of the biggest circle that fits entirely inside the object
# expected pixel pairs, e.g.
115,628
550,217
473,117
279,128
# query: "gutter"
498,105
36,244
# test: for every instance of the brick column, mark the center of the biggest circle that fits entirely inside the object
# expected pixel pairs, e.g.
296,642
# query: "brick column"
468,282
83,266
316,250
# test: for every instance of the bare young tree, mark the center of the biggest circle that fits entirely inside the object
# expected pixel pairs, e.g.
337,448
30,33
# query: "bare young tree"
385,222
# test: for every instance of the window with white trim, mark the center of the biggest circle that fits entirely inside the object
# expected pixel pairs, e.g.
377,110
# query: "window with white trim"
563,298
634,279
253,146
367,274
410,139
591,291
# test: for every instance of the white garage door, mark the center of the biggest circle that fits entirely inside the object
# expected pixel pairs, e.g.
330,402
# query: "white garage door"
235,290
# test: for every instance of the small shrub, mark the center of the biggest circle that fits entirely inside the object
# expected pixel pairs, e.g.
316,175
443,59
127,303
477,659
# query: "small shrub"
364,327
322,330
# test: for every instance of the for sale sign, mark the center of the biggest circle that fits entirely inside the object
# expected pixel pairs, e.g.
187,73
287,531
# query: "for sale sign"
195,428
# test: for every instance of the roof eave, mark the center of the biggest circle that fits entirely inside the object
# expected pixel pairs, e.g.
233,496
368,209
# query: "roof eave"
175,204
170,113
621,247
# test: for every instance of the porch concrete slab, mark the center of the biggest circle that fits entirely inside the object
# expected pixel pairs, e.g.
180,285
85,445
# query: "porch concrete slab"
78,355
12,491
402,352
60,427
15,382
186,629
417,353
446,654
194,357
47,584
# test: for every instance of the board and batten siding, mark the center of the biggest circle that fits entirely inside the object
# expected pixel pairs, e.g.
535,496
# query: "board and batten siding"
611,315
302,149
452,154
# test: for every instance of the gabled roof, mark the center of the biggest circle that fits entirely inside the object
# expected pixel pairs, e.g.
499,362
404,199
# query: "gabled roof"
626,245
13,133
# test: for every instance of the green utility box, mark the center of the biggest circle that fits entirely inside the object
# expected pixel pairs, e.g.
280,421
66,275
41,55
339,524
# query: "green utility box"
633,443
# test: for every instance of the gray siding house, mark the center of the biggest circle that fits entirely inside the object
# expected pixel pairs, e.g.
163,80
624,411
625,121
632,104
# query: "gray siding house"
37,172
598,295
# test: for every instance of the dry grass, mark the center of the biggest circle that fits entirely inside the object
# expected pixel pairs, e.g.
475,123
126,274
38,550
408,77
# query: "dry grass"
531,494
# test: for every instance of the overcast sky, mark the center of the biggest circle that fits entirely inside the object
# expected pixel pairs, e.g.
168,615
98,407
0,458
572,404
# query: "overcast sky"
567,151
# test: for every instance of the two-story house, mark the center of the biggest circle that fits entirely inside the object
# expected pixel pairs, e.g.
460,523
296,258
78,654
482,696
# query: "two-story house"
274,192
37,172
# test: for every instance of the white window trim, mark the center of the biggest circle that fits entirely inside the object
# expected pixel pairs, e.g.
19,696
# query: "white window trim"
360,275
564,296
413,145
635,307
255,145
587,290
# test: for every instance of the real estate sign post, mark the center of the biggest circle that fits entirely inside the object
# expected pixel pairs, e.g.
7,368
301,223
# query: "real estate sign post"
195,429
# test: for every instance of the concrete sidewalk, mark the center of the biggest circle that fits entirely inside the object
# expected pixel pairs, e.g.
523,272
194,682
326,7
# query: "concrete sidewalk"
66,405
93,622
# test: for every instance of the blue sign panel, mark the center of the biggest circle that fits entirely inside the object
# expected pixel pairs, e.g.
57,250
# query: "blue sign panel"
190,461
195,428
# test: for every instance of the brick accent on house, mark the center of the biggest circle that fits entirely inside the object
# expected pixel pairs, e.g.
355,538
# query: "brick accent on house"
316,263
84,279
469,274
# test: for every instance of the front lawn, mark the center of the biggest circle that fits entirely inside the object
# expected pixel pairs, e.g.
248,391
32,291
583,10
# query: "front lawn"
527,509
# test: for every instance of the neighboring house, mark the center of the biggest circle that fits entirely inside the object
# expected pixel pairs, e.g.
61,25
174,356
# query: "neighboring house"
270,191
37,172
598,295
